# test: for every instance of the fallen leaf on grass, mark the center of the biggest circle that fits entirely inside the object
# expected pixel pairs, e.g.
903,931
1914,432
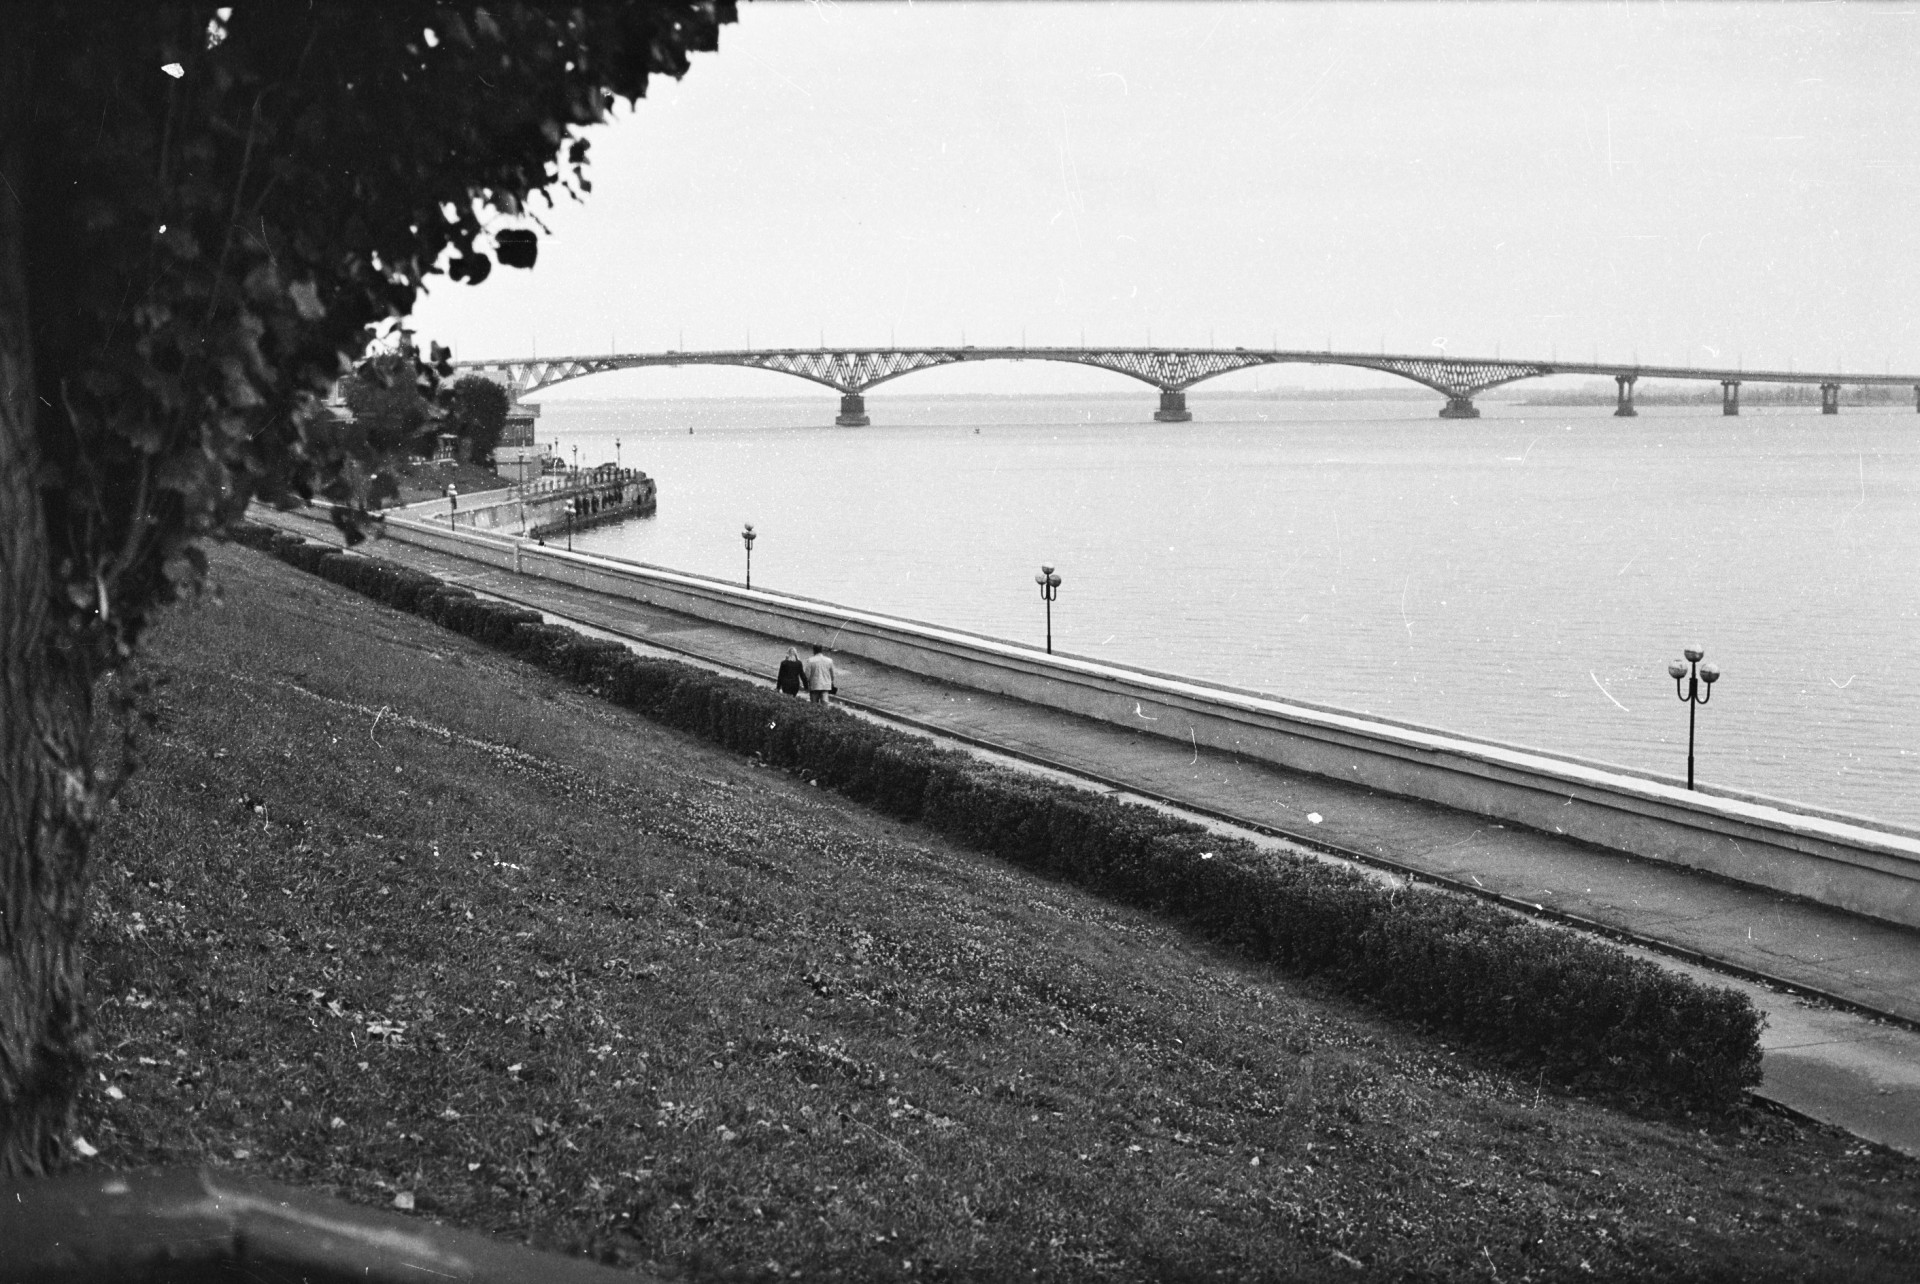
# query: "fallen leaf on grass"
404,1200
336,1122
84,1148
449,1113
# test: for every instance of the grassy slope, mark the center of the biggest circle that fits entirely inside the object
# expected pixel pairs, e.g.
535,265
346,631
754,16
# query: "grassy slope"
389,913
429,481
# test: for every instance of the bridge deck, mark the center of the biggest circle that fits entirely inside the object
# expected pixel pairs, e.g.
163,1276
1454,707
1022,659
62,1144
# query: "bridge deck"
851,371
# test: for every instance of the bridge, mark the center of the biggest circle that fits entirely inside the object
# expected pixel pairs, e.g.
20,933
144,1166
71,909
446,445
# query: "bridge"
851,371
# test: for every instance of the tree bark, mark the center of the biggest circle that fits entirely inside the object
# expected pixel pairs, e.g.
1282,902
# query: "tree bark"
48,790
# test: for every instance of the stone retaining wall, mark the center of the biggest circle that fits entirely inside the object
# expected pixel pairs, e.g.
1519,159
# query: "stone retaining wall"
1845,861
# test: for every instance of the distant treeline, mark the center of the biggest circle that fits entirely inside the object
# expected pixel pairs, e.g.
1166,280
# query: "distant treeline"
1592,393
1598,392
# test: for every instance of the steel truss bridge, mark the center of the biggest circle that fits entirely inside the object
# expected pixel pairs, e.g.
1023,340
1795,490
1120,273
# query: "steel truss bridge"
851,371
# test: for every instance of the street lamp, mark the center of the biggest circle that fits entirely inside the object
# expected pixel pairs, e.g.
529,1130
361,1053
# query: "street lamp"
576,457
453,503
1049,590
569,508
747,537
1694,673
616,452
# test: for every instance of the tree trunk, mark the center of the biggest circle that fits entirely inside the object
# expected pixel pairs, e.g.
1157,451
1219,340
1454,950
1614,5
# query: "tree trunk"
48,790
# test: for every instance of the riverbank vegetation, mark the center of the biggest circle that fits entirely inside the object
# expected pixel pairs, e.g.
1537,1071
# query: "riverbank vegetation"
393,916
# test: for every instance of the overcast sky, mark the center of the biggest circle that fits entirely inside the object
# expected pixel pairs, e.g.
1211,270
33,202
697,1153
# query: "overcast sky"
1681,183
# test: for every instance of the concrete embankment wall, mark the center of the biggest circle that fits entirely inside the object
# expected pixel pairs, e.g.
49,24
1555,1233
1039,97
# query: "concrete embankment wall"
1828,857
539,508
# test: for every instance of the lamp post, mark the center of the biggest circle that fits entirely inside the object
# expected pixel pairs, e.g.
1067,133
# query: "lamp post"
576,457
616,452
1693,673
453,503
747,537
1049,590
569,508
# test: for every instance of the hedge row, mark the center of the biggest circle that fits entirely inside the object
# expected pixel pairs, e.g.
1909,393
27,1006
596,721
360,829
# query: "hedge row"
1577,1009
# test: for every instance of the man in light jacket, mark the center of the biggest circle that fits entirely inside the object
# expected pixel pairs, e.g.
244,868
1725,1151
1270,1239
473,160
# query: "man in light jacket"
820,676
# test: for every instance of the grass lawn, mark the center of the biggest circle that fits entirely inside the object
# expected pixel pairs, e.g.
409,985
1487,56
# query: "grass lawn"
429,480
389,915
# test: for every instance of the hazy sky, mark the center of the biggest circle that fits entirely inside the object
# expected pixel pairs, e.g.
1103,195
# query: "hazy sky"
1681,183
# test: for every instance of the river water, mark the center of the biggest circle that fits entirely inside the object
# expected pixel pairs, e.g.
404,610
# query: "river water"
1525,577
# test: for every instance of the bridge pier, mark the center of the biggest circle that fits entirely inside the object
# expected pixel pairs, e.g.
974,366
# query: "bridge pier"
1173,408
1729,396
1829,398
853,411
1459,408
1623,408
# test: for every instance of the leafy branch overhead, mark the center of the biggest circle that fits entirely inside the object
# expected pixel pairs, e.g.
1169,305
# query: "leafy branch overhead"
204,214
222,202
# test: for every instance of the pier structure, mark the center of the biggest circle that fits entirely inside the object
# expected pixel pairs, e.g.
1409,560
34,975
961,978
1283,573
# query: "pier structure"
1623,405
568,498
852,371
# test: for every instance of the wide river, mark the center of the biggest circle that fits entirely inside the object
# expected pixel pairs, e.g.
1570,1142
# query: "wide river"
1526,577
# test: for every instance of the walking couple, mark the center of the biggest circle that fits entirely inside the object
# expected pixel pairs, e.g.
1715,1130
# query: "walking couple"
815,674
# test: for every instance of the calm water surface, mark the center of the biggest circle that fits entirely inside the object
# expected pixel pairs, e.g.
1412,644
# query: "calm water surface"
1526,576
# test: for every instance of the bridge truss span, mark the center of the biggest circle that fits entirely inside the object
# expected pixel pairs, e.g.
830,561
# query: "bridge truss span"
1169,369
851,371
1459,380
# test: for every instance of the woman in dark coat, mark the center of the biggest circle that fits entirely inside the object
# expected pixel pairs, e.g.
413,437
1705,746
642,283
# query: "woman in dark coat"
790,670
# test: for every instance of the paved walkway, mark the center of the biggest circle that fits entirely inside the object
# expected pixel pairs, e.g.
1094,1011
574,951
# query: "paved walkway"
1841,993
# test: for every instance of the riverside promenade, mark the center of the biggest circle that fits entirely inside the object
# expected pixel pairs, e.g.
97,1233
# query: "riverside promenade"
1841,993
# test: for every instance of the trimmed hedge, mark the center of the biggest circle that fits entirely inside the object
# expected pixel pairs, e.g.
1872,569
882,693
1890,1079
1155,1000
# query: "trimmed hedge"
1578,1009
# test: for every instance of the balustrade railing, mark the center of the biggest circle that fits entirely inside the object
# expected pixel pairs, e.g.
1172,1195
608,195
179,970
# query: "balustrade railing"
575,479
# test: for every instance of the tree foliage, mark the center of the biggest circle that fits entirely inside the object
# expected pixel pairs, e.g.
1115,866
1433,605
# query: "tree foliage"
211,248
204,210
390,395
477,412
